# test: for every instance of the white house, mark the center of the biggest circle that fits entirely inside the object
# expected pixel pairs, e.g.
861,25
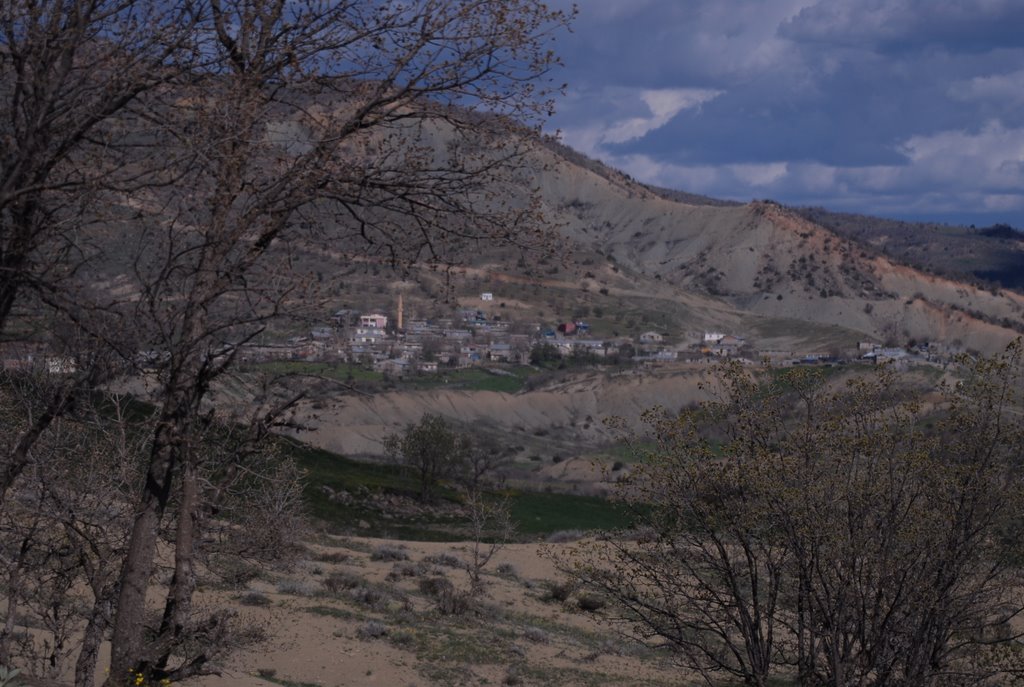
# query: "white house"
374,320
487,296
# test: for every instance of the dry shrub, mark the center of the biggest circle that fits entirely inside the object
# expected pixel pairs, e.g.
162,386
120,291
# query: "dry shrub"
386,552
536,635
341,581
254,599
407,569
369,596
558,591
446,559
590,602
374,629
448,599
508,570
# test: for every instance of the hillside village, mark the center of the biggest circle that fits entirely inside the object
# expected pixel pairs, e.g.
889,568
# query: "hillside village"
397,345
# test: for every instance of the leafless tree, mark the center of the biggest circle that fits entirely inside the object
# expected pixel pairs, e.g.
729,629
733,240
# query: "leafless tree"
194,150
66,70
824,535
381,128
66,529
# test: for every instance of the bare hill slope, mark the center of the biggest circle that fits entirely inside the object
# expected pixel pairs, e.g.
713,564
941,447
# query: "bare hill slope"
768,262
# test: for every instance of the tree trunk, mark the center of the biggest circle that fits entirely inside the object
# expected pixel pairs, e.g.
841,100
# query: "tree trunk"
127,641
99,621
14,582
178,607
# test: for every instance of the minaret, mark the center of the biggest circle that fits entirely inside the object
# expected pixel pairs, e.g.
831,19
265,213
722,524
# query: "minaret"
399,312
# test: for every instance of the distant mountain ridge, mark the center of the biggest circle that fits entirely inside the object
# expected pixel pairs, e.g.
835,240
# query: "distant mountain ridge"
991,256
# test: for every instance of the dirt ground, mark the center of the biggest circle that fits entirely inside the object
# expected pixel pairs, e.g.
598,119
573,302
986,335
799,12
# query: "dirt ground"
363,611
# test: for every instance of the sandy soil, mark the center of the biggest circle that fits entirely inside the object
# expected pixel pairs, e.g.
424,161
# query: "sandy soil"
319,637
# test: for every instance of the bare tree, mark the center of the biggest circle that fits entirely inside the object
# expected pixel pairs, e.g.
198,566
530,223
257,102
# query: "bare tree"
67,526
66,70
381,128
823,535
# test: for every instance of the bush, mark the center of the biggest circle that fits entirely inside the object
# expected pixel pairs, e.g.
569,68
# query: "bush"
448,599
369,596
565,536
447,560
254,599
373,629
407,569
536,635
508,570
558,591
386,552
338,582
590,602
402,639
435,586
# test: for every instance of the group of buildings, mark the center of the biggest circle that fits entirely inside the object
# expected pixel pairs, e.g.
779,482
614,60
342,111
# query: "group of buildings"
470,337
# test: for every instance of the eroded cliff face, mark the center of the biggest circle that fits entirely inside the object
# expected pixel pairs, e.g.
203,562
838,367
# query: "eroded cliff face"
569,417
763,260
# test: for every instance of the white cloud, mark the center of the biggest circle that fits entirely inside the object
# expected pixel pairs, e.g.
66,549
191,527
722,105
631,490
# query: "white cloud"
950,171
1003,202
991,159
998,87
663,105
760,174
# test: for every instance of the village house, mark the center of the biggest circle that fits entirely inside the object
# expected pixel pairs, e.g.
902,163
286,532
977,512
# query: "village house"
501,352
345,318
727,345
457,334
395,367
592,346
374,321
651,338
368,335
61,365
18,355
321,332
471,355
487,296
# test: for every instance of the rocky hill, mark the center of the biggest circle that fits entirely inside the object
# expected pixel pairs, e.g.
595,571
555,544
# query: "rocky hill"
765,268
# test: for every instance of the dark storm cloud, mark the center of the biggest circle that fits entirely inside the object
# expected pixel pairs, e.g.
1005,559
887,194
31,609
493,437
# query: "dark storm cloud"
899,106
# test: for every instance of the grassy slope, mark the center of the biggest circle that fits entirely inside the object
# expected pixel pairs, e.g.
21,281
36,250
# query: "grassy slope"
535,513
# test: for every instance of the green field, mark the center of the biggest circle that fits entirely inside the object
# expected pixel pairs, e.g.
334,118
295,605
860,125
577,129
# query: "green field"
535,513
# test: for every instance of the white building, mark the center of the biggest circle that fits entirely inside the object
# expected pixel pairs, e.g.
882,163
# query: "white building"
374,320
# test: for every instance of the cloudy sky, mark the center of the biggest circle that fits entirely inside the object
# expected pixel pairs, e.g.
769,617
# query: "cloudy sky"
903,108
